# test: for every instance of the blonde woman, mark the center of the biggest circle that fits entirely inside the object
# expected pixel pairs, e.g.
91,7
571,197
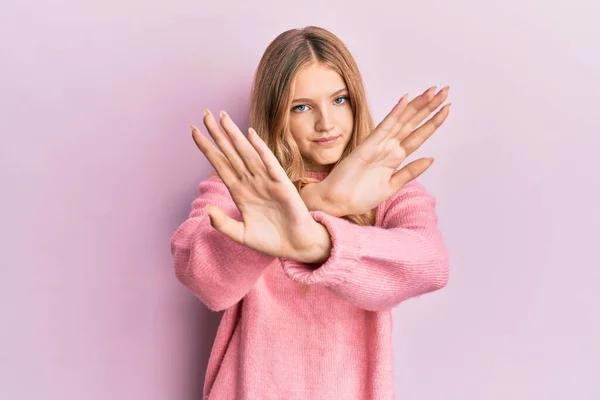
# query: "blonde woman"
310,234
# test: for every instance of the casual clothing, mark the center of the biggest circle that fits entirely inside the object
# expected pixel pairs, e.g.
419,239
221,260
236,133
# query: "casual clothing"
301,331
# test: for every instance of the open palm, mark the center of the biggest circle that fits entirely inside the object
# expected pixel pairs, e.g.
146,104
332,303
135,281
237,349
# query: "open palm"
370,175
275,219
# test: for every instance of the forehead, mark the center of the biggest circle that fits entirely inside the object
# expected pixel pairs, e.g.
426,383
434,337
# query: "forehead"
317,80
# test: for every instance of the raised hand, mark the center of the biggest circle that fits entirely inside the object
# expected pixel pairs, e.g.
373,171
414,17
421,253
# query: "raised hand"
275,218
370,175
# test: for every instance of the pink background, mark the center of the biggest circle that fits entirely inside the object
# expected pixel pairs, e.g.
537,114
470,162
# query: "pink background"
98,169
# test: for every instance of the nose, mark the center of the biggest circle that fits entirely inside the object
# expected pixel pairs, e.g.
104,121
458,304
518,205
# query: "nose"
324,122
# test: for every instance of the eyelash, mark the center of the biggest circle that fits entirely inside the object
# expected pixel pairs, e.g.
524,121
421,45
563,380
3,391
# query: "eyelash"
346,98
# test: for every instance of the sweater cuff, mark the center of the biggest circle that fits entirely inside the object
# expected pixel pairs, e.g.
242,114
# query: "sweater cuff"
345,253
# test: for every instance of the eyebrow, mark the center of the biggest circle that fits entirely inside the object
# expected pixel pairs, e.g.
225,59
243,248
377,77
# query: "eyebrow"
308,100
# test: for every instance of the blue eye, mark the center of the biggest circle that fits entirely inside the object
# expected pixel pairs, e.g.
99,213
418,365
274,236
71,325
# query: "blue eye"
297,108
344,98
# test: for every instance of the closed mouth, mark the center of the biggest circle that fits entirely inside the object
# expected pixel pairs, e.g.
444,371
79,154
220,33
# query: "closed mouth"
328,139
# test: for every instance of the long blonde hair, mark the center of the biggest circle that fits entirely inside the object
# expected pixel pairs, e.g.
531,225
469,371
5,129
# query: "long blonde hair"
271,96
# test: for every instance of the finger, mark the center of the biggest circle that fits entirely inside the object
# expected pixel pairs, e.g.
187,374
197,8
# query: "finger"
385,127
400,113
271,163
214,156
409,172
419,136
413,108
421,114
246,151
225,224
222,140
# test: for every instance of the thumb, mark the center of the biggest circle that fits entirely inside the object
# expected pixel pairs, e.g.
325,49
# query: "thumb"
225,224
409,172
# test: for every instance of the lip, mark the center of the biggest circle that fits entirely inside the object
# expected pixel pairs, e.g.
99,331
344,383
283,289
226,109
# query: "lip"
327,141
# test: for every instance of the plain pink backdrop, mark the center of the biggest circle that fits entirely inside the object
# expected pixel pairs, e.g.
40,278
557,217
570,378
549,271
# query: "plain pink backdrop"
98,169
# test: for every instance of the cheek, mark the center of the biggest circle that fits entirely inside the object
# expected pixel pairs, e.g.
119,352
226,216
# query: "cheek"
300,128
345,119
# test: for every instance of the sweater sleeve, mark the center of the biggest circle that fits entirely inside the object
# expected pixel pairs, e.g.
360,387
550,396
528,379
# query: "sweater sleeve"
376,268
218,270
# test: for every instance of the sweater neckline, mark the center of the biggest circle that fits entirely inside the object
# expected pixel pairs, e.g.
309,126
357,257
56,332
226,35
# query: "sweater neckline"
316,174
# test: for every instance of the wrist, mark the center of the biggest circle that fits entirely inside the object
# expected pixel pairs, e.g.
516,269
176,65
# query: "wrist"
320,251
315,199
311,197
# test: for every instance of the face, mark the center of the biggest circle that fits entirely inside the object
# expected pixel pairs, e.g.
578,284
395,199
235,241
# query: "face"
320,117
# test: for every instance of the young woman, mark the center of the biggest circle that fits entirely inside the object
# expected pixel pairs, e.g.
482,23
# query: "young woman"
311,199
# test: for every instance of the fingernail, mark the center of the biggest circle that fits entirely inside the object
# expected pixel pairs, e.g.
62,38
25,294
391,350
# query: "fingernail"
405,95
206,112
222,114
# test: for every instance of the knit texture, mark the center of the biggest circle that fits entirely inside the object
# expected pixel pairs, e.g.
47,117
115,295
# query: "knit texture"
292,330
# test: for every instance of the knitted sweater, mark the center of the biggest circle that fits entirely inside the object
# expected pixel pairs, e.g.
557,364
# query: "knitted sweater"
296,331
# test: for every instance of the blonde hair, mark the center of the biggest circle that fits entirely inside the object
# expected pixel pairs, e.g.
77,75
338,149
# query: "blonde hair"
271,97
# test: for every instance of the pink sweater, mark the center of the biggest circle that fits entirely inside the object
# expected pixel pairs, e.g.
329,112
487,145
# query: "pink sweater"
282,340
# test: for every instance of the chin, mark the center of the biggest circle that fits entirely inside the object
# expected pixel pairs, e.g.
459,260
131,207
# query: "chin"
325,159
329,161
